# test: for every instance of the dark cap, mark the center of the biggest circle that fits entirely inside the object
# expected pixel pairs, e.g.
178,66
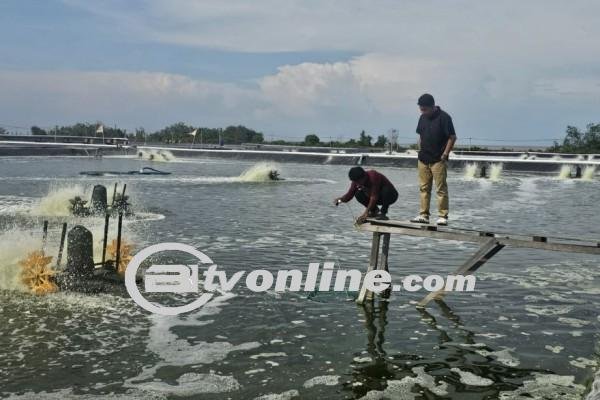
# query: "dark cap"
426,100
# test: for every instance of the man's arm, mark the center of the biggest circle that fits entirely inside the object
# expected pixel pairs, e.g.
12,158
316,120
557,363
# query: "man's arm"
449,128
449,146
348,196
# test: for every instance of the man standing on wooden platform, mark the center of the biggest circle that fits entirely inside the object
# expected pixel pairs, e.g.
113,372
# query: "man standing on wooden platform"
371,189
436,139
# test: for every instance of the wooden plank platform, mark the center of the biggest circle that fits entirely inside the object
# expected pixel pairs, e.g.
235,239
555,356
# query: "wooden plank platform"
541,242
490,244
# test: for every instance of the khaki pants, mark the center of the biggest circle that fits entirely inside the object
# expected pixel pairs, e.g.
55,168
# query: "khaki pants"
428,173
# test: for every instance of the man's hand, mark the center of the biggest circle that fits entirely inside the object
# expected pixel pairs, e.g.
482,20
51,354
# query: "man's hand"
362,219
445,157
337,201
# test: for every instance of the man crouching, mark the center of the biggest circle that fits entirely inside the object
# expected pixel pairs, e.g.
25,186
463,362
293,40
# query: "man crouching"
371,189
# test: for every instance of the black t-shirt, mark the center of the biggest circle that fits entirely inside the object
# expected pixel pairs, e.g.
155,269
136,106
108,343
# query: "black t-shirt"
435,132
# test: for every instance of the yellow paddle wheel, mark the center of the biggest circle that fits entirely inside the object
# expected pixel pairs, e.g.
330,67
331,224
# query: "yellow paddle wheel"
37,274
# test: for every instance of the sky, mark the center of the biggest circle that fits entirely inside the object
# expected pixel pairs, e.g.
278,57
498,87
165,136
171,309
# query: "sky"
515,72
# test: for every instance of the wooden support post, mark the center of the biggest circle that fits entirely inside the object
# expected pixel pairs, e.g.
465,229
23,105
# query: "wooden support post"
383,264
105,237
372,265
485,252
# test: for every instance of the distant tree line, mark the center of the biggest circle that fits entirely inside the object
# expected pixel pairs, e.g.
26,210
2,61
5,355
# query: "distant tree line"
181,133
364,140
79,129
576,141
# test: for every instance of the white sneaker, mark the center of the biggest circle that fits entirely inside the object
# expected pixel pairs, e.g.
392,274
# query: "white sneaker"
442,221
420,219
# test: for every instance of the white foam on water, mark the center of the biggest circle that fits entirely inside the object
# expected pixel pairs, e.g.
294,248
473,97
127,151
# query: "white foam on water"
574,322
287,395
503,356
190,384
594,393
554,349
469,378
15,204
175,351
402,389
490,335
326,380
267,355
549,309
66,394
254,371
546,387
582,362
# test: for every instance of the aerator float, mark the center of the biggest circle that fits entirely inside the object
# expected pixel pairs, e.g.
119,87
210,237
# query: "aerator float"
81,273
99,203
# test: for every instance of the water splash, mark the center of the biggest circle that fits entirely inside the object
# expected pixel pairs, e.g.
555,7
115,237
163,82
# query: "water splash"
14,246
156,155
588,173
258,172
565,172
496,172
56,202
470,171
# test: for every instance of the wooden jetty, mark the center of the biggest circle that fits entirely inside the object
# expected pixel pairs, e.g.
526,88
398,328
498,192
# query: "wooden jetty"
490,244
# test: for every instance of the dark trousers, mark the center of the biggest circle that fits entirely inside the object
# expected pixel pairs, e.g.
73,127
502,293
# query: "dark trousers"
388,195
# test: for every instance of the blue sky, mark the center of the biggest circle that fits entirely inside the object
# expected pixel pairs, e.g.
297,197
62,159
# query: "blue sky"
506,71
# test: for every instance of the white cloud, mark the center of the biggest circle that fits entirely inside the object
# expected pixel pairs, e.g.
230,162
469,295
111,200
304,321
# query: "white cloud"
130,98
512,32
374,91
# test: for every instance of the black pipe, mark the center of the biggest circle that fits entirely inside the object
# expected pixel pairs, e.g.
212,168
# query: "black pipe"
106,221
45,235
113,199
62,243
119,226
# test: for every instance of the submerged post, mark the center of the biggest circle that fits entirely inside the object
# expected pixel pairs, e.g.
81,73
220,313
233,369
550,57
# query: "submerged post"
364,293
376,262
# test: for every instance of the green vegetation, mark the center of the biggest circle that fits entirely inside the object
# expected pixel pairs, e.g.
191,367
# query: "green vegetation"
180,133
79,129
312,140
576,141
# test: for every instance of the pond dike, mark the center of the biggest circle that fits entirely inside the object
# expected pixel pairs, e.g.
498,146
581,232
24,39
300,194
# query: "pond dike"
531,162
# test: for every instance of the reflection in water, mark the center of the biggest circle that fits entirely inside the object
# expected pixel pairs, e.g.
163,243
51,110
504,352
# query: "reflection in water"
459,367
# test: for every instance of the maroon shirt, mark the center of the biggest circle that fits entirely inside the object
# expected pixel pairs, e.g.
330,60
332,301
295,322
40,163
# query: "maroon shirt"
373,185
